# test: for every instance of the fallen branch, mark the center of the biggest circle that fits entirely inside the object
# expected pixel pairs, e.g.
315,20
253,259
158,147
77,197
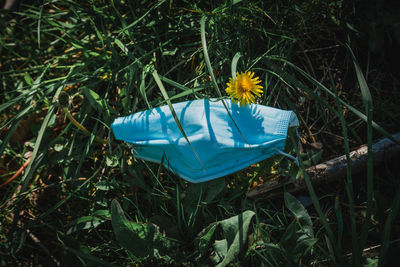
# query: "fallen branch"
336,168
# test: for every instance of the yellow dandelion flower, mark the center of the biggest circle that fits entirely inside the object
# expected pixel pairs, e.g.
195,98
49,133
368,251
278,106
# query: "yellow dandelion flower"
244,88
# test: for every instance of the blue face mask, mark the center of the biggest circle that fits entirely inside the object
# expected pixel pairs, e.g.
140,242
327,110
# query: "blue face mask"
221,149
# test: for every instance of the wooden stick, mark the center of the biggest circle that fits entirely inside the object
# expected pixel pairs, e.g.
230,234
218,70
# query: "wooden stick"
336,168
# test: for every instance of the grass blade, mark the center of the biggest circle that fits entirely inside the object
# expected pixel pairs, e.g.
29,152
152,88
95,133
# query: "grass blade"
234,64
178,123
349,183
142,88
211,72
366,94
125,29
206,57
388,227
316,204
39,24
29,170
186,90
367,99
89,257
324,88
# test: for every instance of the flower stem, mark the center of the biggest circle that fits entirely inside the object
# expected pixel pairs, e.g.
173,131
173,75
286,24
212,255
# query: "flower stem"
82,128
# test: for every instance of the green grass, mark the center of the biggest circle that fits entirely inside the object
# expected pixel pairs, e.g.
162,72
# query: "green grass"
85,201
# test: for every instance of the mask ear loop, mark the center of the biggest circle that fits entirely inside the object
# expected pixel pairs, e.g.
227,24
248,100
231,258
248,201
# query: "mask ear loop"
295,159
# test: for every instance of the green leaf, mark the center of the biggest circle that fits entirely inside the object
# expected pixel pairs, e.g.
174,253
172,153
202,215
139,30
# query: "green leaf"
204,240
132,236
58,147
234,231
312,158
28,79
193,197
99,104
88,222
298,238
221,251
140,239
92,260
300,213
196,193
170,52
104,185
112,160
214,187
77,254
124,49
294,243
372,262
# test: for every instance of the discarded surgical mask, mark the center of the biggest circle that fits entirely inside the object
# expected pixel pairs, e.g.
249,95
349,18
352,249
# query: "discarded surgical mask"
217,146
